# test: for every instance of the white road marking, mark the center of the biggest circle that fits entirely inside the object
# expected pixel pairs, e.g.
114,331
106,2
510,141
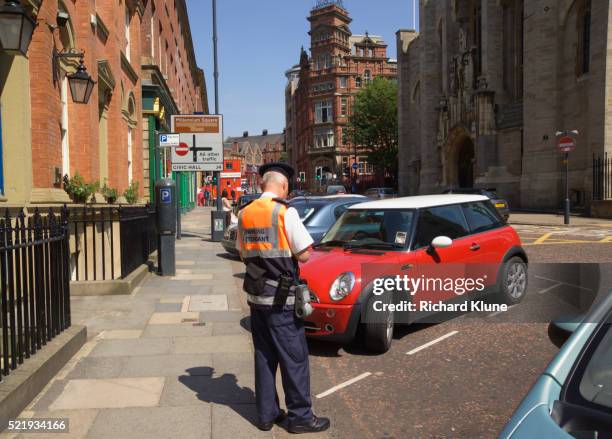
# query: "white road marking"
546,290
496,313
343,385
431,343
562,283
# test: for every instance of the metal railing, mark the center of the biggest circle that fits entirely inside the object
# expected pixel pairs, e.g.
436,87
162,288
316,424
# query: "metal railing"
34,283
109,243
602,177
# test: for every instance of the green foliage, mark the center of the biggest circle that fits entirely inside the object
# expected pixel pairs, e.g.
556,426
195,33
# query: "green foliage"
78,189
131,193
373,125
110,194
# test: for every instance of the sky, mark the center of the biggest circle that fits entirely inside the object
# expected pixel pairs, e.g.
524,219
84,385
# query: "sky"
259,40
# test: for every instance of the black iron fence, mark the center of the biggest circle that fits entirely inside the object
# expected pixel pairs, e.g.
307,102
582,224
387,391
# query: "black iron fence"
34,283
109,243
602,177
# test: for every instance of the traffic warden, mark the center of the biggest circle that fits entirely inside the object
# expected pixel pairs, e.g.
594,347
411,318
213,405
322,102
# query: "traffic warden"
271,240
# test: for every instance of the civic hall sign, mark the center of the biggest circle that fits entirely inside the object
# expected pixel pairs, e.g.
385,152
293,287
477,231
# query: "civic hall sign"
200,146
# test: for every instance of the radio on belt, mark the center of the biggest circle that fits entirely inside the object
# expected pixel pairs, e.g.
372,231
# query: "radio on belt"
165,200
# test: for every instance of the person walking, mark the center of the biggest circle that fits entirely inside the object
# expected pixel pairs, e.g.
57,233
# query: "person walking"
271,240
206,197
227,206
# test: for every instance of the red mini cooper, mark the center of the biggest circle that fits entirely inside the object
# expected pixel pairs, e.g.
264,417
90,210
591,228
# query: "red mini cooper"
401,260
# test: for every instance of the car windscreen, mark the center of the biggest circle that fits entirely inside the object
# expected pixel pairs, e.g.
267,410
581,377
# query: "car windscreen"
387,191
385,229
306,209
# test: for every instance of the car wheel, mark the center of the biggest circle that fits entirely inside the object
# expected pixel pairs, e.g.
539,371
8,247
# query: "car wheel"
513,282
378,326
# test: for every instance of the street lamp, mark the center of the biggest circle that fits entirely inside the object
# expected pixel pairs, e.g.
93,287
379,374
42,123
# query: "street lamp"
81,84
16,28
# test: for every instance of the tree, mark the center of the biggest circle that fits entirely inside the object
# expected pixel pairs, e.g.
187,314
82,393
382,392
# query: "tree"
373,125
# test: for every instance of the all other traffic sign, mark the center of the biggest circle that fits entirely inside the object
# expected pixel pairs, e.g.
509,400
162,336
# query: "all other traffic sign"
566,144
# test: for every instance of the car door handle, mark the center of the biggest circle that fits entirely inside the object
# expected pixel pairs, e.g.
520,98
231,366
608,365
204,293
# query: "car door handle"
475,247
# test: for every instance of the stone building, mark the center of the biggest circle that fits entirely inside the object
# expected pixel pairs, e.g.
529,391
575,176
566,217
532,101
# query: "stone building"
338,66
485,86
45,135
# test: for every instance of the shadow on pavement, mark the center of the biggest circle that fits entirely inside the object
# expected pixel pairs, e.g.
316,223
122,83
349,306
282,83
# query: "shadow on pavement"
222,390
228,256
245,323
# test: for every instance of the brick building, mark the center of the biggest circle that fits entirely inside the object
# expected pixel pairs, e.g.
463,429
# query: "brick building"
45,135
485,86
319,96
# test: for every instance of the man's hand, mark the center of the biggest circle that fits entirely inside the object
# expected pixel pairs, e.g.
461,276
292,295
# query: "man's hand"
303,256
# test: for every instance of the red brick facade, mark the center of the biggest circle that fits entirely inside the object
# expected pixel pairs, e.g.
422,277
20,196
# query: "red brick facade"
340,64
103,139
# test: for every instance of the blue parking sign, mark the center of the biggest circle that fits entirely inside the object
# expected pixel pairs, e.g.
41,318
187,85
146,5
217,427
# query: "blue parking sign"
163,138
166,196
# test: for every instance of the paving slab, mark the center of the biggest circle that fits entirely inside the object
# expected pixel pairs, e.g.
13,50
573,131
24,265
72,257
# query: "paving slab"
79,423
182,330
236,421
188,390
173,318
209,302
158,422
110,393
200,276
221,316
208,345
168,365
98,367
136,347
120,334
228,328
168,307
175,300
238,364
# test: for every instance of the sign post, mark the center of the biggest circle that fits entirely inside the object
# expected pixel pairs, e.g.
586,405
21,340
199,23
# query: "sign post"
565,144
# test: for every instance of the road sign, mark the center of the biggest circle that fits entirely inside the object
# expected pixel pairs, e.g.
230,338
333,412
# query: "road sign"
168,140
201,143
355,166
566,144
166,196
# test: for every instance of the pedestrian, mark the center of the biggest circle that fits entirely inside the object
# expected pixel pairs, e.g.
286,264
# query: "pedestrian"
201,197
233,195
271,240
227,207
206,197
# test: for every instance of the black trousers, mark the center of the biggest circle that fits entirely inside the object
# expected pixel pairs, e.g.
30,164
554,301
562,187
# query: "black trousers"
279,340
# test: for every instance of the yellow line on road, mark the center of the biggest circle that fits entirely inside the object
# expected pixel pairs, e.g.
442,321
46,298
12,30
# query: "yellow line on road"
542,238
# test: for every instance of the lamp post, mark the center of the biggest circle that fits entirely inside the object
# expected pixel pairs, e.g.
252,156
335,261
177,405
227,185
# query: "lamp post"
80,82
16,28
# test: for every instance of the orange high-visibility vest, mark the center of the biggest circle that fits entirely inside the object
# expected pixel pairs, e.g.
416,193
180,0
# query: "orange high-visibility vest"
263,239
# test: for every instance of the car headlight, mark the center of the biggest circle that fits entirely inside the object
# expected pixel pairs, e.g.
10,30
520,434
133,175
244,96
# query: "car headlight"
342,286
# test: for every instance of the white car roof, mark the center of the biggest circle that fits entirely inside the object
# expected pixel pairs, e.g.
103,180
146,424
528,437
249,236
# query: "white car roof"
419,202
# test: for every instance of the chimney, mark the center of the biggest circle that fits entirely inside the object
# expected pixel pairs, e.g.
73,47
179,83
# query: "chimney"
245,134
265,133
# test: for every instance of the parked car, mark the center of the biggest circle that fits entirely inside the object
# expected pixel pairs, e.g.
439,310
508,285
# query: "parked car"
426,236
380,193
299,193
572,397
500,204
319,213
229,237
335,189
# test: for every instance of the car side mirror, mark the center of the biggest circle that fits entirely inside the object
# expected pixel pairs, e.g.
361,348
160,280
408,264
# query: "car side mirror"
441,242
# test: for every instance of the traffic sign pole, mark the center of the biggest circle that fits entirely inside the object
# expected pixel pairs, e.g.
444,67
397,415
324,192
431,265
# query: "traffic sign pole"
565,144
178,206
567,199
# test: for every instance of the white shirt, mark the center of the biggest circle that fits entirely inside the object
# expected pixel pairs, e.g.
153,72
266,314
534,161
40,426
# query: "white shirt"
297,235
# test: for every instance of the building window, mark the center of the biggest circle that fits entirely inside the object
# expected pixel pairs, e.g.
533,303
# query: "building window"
129,155
323,111
64,128
152,38
343,82
513,48
127,34
584,29
358,82
364,167
324,139
367,76
343,107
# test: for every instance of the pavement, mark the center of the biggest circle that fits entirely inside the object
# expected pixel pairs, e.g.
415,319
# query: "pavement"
551,219
172,360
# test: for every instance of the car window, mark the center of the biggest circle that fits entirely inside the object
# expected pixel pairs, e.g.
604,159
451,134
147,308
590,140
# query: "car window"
371,227
440,221
339,210
387,191
481,216
305,209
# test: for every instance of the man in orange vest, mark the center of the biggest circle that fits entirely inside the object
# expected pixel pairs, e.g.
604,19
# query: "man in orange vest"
271,240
